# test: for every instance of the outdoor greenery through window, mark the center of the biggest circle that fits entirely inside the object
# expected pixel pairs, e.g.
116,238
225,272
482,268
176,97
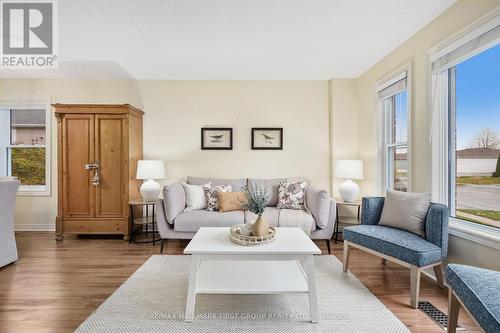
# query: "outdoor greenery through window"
474,87
22,144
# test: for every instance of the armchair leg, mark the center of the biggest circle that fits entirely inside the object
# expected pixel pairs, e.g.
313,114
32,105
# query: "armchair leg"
414,285
328,246
438,270
453,310
162,245
346,255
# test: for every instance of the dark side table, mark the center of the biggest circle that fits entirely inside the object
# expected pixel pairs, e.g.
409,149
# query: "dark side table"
345,220
146,222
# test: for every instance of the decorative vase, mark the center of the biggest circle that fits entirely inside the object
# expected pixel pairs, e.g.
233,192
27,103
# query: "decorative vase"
260,227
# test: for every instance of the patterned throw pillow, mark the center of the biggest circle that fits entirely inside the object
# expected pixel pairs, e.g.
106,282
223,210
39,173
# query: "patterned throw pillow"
211,194
291,195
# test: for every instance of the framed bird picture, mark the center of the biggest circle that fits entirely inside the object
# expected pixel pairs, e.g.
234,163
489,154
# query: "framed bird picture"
266,138
216,138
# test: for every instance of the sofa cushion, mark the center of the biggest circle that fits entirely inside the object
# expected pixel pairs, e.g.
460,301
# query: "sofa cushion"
292,195
400,244
212,194
271,186
194,220
236,184
318,204
271,215
297,218
406,211
229,201
195,197
479,290
174,200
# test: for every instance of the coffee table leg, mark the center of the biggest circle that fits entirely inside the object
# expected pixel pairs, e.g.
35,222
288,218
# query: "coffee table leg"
191,296
311,281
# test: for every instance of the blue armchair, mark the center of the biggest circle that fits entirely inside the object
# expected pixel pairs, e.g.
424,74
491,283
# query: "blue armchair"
400,246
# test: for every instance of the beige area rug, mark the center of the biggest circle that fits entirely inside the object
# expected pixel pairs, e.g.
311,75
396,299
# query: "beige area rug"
153,300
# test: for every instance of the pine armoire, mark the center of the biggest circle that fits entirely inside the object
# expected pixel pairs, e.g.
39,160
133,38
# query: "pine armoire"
98,147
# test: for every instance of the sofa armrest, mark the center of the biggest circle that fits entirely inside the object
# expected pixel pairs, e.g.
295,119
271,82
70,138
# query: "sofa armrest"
318,204
161,219
174,200
371,210
436,227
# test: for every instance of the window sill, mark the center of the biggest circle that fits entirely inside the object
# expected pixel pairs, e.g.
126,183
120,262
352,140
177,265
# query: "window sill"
33,191
480,234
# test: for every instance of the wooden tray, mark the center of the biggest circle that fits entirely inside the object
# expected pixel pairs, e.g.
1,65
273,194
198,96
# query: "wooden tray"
247,240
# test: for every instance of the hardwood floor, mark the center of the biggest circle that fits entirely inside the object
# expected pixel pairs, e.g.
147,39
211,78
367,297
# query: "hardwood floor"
55,286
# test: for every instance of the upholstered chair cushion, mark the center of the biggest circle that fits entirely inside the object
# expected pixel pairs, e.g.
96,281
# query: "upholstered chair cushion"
479,291
400,244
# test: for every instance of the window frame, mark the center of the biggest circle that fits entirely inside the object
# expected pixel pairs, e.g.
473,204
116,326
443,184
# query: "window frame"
384,131
441,167
17,103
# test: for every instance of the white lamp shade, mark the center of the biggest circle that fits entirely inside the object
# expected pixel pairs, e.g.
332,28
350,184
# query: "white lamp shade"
349,169
150,169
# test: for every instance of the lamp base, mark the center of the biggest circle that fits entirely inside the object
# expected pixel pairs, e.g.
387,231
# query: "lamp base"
150,190
349,191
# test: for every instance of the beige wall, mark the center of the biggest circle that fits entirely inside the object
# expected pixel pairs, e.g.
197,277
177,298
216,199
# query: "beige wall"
414,50
175,112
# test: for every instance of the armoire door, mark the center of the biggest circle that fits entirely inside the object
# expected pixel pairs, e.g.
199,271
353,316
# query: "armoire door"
77,151
111,138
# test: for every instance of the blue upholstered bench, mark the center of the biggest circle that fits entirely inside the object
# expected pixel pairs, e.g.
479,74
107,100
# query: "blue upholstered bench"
478,291
400,246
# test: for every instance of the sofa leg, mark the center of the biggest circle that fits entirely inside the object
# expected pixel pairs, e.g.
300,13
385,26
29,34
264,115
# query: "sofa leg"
328,246
438,270
453,310
384,261
346,255
162,245
414,285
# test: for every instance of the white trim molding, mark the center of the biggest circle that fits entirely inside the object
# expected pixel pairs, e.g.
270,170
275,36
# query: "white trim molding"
484,235
402,72
31,102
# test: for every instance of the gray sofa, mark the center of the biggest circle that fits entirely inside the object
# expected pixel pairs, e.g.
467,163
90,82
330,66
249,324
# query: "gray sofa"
175,223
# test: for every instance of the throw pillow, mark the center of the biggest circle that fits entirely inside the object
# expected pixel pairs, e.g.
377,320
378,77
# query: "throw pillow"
291,195
229,201
195,197
406,211
211,194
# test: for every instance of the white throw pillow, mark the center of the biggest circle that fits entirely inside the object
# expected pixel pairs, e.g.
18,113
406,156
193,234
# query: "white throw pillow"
195,197
406,210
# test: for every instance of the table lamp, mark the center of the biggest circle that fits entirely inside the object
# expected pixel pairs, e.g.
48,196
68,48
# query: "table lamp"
150,170
349,170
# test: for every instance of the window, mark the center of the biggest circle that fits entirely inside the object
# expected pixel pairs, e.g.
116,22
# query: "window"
466,127
23,148
393,105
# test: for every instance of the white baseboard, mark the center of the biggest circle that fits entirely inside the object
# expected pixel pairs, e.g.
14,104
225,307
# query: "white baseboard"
35,227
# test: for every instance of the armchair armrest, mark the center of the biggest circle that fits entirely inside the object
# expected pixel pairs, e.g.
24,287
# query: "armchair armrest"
371,210
436,227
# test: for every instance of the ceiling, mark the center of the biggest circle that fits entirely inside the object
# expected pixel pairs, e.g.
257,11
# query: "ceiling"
231,39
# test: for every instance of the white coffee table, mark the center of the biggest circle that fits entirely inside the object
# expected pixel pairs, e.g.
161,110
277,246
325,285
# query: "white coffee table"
218,266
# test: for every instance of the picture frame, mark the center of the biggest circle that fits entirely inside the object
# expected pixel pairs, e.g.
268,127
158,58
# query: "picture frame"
267,138
216,138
